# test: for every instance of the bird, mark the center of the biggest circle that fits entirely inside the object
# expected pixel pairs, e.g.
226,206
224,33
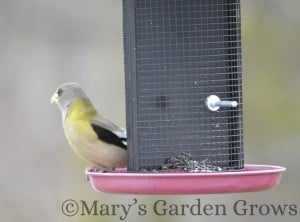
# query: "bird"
92,137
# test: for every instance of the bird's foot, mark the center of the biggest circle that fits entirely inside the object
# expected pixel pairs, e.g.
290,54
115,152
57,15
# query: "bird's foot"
92,169
100,169
108,170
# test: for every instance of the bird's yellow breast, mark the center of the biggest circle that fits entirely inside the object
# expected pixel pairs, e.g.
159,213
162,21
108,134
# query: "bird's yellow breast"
81,110
77,122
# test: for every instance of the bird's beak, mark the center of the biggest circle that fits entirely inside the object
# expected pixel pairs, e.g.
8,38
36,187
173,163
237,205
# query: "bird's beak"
54,98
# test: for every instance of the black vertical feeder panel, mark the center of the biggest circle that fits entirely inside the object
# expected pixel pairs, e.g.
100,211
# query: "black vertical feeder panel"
178,52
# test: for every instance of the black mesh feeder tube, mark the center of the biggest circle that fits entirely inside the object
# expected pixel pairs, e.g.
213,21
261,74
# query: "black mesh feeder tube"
184,107
179,56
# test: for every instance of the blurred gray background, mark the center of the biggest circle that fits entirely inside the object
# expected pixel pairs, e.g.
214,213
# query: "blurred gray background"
44,43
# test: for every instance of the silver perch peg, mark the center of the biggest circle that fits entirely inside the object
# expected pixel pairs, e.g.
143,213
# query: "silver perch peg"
214,103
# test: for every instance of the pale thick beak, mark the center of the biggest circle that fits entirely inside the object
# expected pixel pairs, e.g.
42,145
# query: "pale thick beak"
54,98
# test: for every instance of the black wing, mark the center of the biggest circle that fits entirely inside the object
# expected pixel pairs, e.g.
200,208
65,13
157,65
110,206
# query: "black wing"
109,137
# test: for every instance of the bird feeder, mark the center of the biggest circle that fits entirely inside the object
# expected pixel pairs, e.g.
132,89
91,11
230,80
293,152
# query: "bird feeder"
184,105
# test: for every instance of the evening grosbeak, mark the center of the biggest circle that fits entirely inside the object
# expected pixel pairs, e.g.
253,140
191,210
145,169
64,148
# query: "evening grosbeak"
91,136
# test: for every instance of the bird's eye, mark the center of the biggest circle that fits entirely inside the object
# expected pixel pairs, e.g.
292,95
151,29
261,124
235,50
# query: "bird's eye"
59,92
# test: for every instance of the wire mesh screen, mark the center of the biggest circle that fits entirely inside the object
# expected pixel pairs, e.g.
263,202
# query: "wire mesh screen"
177,53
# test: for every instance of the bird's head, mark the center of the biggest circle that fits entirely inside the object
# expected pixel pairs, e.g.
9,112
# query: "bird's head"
66,93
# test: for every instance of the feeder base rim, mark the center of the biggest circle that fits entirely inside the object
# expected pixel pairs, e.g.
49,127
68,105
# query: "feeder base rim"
252,178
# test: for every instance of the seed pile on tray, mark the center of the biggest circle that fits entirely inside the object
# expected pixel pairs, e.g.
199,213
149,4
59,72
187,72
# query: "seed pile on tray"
184,162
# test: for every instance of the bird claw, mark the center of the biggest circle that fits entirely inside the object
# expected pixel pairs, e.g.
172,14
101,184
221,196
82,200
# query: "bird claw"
108,170
92,169
100,169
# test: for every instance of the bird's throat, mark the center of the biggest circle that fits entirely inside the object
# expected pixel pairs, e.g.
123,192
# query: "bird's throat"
82,110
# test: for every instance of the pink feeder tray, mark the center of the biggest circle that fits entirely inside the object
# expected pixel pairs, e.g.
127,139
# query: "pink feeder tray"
252,178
